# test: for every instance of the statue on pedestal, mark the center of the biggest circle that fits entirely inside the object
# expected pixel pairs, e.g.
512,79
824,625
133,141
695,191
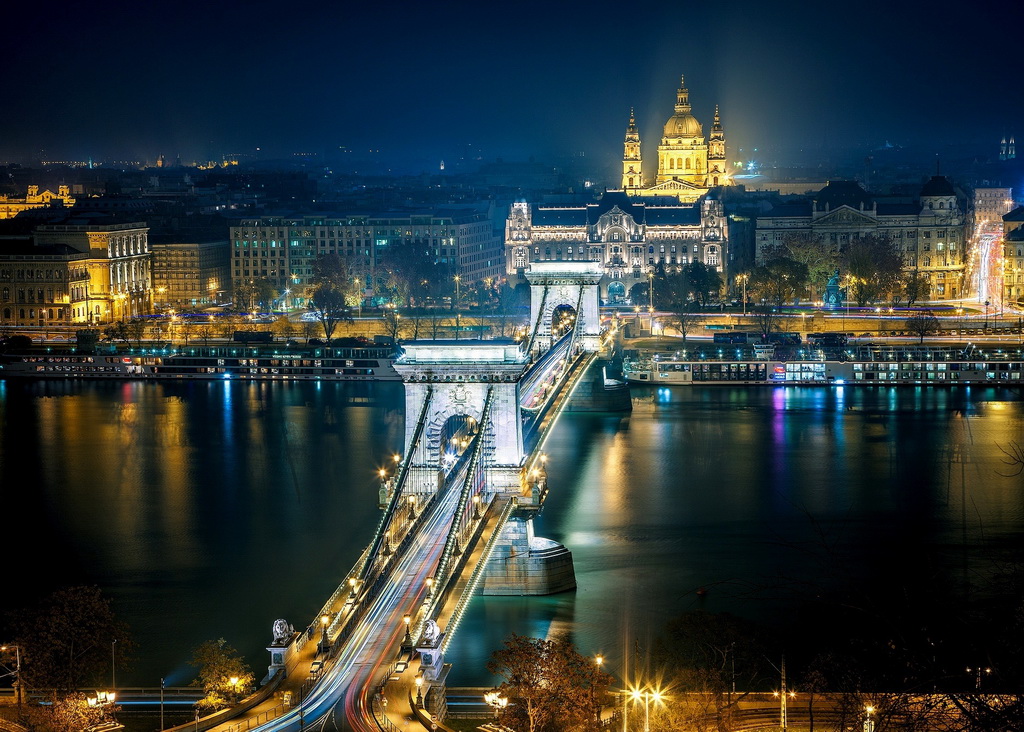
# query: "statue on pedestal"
833,293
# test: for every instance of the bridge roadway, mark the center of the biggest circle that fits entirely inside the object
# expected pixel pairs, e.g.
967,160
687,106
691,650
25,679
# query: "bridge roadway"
362,676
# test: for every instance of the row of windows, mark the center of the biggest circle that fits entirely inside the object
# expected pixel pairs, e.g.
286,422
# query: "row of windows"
30,274
29,294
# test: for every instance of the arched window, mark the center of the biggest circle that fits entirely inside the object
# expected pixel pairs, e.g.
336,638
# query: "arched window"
631,182
650,250
687,163
671,163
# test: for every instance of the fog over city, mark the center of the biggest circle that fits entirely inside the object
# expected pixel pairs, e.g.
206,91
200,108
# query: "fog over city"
409,84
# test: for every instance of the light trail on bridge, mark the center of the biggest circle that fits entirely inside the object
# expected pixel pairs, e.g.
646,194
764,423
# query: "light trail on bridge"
341,701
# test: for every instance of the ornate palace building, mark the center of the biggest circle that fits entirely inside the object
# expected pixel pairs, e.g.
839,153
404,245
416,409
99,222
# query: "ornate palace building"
688,163
929,230
629,236
77,272
670,222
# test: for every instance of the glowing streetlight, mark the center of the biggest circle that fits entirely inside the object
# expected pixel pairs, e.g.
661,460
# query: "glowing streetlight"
419,691
407,619
647,696
743,280
496,701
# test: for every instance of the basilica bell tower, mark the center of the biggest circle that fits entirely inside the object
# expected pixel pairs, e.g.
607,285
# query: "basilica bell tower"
632,162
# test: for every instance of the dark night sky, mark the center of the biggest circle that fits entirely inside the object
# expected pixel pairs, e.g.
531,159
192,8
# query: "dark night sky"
423,80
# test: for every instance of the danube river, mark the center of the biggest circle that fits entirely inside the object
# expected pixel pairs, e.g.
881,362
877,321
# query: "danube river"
208,510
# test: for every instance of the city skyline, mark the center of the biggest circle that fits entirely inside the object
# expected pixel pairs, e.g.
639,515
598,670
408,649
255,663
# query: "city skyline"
418,84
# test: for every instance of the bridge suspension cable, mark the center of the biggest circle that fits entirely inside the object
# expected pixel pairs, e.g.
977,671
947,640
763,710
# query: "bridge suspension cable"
540,317
478,573
396,495
474,482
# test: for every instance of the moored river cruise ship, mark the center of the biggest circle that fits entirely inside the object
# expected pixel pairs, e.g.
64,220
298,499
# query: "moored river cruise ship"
867,365
350,363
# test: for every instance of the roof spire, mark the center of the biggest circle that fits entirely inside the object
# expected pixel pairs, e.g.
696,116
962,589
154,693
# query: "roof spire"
682,97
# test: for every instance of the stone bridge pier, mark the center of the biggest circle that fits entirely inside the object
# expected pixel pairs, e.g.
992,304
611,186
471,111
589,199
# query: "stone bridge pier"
456,377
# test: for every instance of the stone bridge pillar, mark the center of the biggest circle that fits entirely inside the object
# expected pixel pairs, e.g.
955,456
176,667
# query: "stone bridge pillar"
458,374
562,282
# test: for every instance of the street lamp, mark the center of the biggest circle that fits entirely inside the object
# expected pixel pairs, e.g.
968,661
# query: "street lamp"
458,280
743,280
646,696
977,674
497,702
419,691
407,619
869,722
324,620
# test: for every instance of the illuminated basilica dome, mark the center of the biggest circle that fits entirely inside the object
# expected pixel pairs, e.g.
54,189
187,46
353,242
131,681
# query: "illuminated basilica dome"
689,164
683,124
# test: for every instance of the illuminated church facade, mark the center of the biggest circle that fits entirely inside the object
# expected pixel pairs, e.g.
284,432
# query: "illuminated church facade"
689,164
674,221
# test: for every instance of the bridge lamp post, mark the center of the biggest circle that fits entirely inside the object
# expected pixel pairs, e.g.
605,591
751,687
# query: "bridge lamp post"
476,507
324,620
430,586
419,691
412,507
407,619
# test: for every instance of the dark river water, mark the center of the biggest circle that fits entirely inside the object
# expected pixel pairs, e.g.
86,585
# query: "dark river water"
209,509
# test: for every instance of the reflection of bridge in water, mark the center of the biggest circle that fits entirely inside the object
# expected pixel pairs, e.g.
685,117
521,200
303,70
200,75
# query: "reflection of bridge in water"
457,515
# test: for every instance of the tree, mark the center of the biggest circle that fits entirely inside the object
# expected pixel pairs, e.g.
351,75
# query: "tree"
507,302
703,652
223,674
330,298
117,332
681,320
66,640
922,323
820,256
778,280
282,327
915,287
68,713
392,323
252,294
875,267
704,280
548,684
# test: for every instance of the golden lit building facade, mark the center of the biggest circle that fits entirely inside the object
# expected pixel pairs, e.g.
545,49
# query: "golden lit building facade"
689,163
113,282
630,236
36,283
11,207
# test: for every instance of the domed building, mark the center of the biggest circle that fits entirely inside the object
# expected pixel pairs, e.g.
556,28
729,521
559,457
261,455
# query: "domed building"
689,164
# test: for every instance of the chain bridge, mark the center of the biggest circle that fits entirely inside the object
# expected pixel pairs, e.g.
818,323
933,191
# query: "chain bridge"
457,515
